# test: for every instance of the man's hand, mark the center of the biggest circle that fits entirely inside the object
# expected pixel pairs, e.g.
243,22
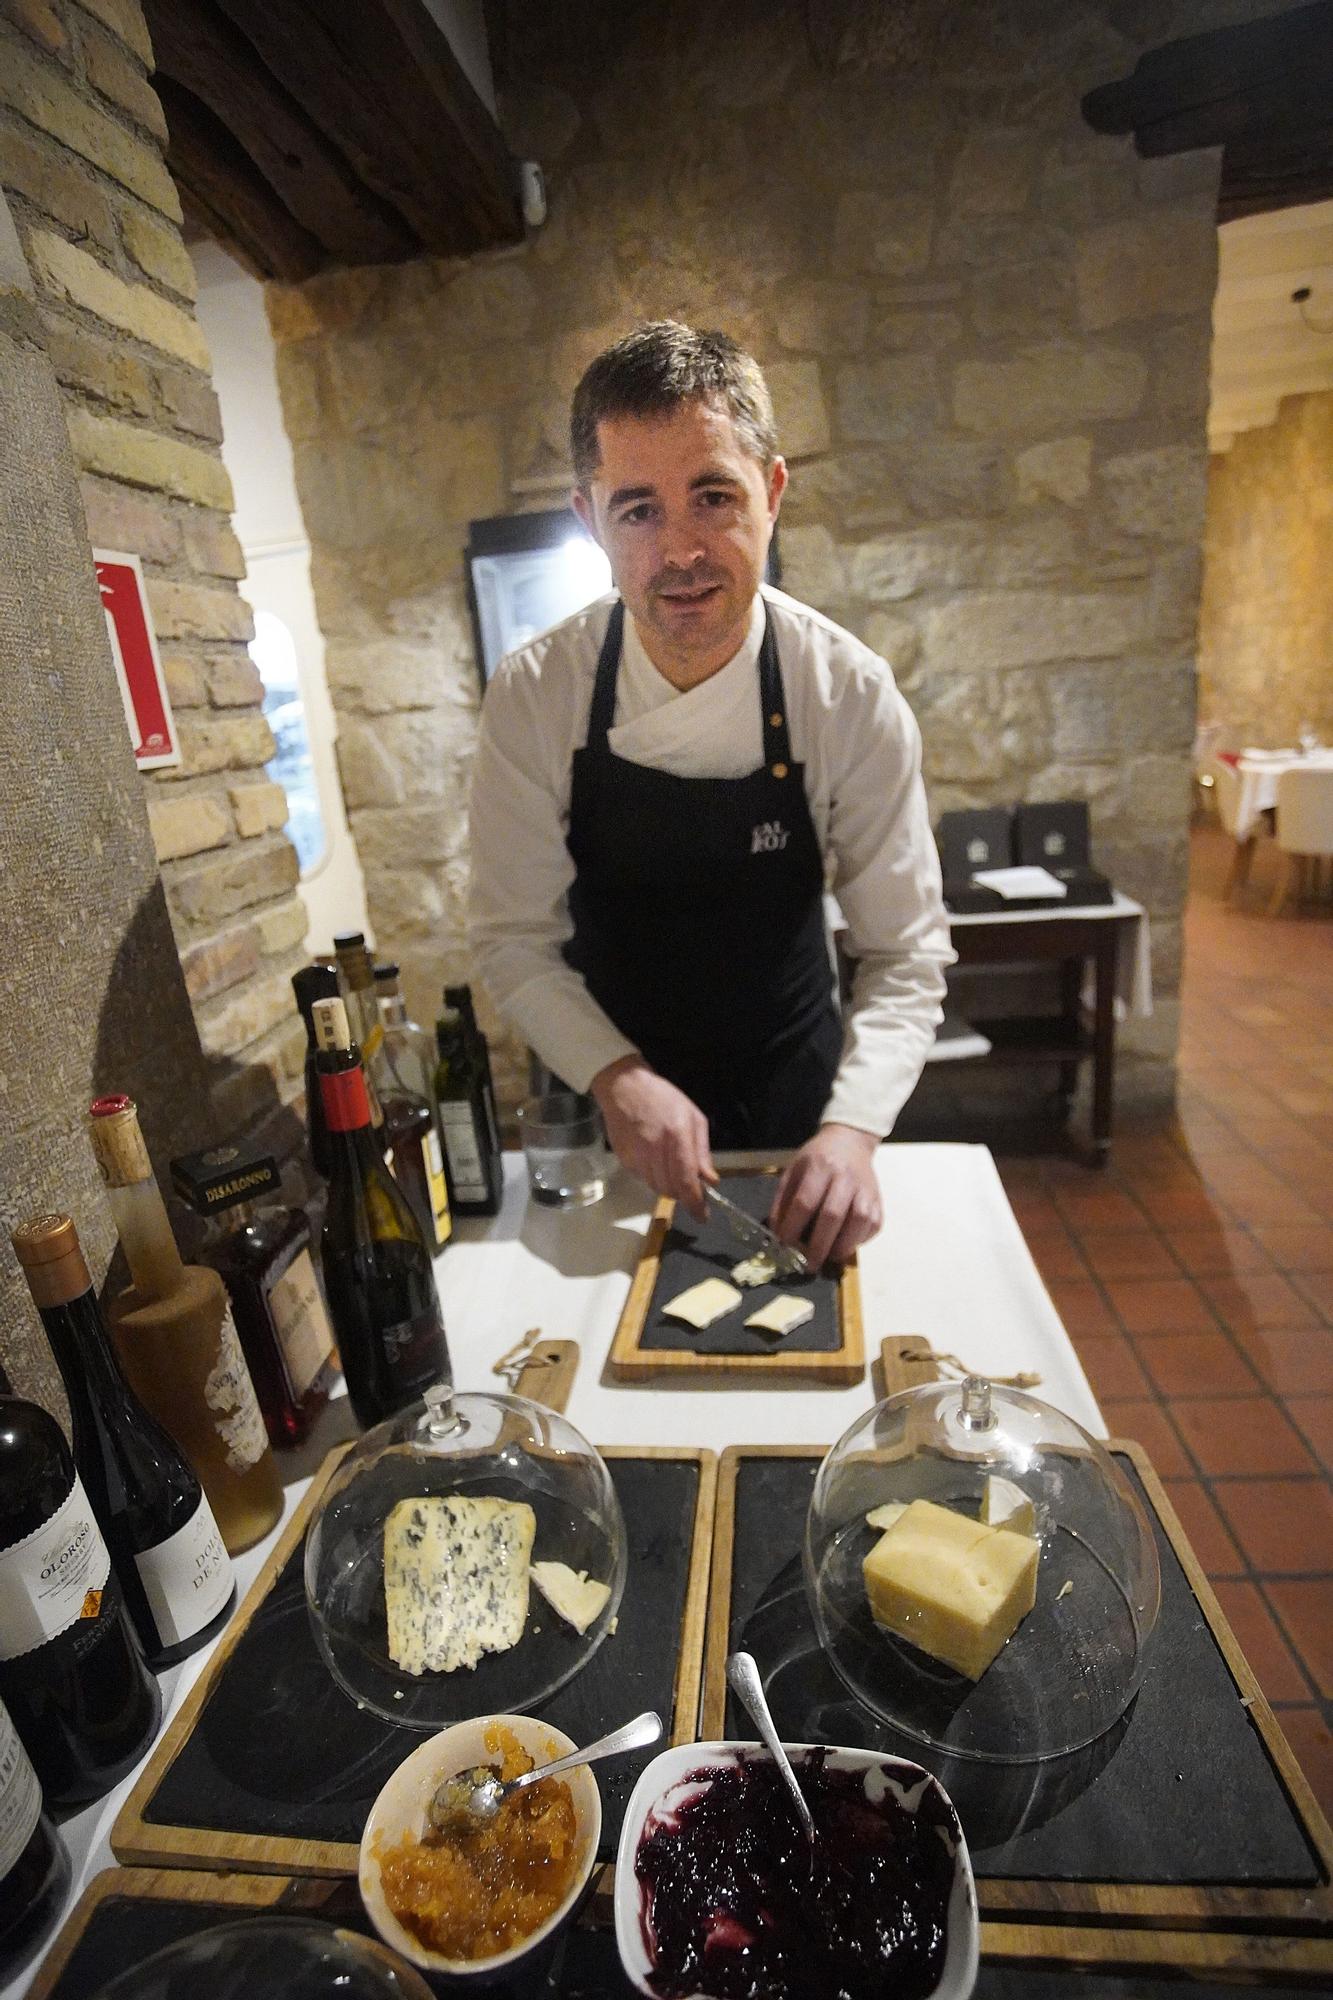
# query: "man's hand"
655,1130
828,1198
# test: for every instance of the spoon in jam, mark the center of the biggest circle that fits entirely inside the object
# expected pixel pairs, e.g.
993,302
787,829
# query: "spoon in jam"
748,1689
474,1796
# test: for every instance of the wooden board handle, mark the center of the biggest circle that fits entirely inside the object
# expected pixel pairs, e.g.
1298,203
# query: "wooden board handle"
547,1376
906,1361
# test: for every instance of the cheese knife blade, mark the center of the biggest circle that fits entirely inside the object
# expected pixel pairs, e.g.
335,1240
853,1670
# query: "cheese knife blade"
788,1261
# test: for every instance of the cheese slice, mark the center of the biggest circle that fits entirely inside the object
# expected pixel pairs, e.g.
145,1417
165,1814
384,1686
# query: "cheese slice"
570,1592
1004,1505
885,1516
953,1586
710,1299
455,1580
760,1269
782,1314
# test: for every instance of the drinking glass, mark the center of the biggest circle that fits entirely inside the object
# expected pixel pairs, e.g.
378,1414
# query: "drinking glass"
562,1142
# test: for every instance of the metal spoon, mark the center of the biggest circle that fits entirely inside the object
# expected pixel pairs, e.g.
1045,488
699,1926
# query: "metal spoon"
474,1796
749,1691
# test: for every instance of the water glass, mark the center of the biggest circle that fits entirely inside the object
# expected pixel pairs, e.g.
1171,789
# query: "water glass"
566,1156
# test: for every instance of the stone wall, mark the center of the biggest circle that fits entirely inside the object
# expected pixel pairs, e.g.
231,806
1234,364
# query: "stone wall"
81,162
1266,619
987,334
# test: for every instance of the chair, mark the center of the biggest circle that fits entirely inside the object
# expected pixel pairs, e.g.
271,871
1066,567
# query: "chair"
1304,829
1226,791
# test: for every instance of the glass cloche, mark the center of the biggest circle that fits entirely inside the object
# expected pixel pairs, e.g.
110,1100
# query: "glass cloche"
1074,1660
467,1558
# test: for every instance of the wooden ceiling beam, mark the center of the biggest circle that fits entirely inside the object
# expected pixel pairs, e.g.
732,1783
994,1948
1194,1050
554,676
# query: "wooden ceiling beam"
223,189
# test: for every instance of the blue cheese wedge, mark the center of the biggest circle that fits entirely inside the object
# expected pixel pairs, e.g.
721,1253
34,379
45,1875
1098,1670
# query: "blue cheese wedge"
455,1580
578,1599
782,1314
711,1299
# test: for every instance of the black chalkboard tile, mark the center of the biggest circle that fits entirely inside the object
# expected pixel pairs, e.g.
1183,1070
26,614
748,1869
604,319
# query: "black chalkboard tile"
696,1250
1183,1793
279,1751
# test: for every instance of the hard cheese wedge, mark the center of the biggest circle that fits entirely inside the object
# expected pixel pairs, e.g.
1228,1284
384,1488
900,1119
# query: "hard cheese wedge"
703,1303
951,1585
782,1314
1004,1505
455,1580
577,1598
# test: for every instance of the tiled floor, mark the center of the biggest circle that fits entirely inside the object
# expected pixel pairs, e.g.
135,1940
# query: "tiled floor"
1196,1278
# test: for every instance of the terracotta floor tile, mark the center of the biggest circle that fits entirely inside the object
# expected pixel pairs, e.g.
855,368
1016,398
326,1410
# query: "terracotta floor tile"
1317,1288
1261,1299
1056,1254
1284,1526
1233,1435
1112,1367
1313,1415
1217,1253
1196,1364
1292,1364
1035,1210
1305,1607
1185,1207
1312,1741
1275,1665
1082,1308
1160,1305
1271,1201
1205,1529
1108,1208
1297,1249
1127,1253
1147,1423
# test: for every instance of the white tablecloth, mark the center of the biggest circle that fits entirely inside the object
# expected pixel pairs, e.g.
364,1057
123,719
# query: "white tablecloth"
950,1264
1258,774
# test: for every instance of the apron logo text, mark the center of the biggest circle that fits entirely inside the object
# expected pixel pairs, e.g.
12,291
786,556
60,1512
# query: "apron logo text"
768,837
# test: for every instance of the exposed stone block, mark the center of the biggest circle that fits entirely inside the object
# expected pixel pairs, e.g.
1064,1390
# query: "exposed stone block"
385,676
211,544
823,316
1029,300
1161,492
38,94
386,837
184,678
119,519
234,680
369,775
281,927
140,458
187,823
896,639
157,250
405,903
900,332
1161,262
962,553
219,962
258,808
1048,388
215,743
189,403
70,273
193,611
104,368
291,313
1157,791
1097,783
983,630
38,20
125,19
1175,593
880,401
486,298
813,567
888,234
995,170
375,493
38,169
1060,469
207,893
798,408
114,76
243,1096
246,1014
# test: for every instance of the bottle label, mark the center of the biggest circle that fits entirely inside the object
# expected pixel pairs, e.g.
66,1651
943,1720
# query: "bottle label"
53,1577
305,1338
346,1104
460,1143
187,1579
230,1395
439,1192
20,1795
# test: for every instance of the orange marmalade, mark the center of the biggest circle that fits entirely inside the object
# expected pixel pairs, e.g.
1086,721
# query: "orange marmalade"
472,1892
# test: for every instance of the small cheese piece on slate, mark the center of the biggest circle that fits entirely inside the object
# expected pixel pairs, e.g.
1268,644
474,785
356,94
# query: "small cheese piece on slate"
782,1314
703,1303
951,1585
455,1580
760,1269
570,1593
1004,1505
885,1516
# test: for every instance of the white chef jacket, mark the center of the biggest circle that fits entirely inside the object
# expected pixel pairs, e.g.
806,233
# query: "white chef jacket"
861,751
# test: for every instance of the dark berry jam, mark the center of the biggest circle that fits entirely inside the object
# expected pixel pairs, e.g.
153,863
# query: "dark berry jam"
731,1906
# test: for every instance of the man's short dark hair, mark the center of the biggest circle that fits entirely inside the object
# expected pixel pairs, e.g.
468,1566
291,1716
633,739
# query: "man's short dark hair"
656,369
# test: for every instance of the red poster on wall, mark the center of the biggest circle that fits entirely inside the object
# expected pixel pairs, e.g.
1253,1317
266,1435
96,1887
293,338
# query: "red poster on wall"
143,690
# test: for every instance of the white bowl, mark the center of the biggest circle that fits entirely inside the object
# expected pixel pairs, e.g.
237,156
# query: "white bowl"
662,1788
401,1808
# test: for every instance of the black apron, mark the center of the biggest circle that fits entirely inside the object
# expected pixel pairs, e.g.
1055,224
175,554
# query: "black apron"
697,906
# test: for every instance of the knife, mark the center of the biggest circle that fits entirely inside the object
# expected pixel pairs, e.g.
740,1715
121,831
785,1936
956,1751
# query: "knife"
788,1261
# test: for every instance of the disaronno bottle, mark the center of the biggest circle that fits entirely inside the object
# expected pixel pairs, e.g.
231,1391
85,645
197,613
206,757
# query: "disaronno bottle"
34,1860
177,1341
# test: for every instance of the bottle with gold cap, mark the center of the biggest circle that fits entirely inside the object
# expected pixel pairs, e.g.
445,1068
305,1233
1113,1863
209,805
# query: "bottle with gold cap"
177,1341
164,1543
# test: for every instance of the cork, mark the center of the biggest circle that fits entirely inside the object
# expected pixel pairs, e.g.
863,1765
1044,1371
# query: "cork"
331,1029
118,1143
47,1247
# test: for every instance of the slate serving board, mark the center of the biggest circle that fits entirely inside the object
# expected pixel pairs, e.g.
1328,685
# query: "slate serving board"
1194,1797
272,1766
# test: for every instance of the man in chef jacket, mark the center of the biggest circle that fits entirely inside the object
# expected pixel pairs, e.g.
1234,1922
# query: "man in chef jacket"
664,785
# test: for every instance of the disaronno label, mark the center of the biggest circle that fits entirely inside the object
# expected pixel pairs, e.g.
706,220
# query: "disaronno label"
230,1395
187,1579
301,1323
53,1577
20,1795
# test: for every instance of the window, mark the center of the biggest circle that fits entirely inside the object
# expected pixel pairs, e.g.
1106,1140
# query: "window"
274,653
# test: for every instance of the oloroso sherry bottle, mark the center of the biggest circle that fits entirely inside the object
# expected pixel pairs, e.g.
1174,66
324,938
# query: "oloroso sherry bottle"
34,1861
467,1109
403,1079
378,1276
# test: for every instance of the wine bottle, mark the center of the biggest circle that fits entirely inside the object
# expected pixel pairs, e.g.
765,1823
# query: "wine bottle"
261,1250
71,1669
177,1341
467,1113
403,1078
377,1269
356,981
311,983
34,1860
